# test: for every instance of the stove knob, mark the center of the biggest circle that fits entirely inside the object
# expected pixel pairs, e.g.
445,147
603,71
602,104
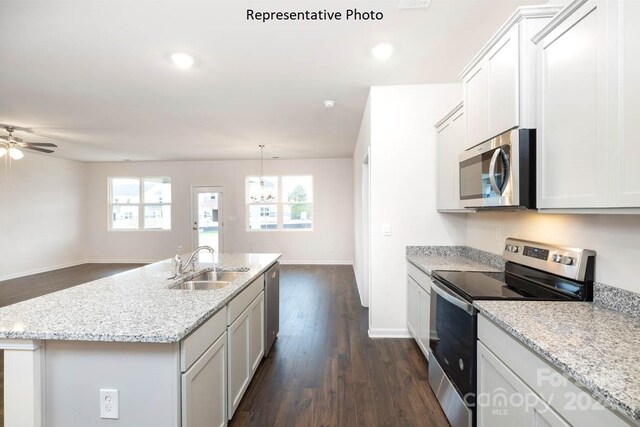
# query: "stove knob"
514,249
567,260
556,258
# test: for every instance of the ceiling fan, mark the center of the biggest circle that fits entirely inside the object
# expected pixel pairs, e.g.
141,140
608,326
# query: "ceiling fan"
11,145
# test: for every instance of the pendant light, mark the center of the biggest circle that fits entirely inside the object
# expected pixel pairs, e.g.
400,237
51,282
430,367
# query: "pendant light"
261,172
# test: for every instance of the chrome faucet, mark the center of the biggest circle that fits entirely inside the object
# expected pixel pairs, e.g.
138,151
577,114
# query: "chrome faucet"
180,269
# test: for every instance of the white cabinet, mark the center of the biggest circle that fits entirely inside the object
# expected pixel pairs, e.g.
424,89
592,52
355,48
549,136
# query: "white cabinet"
450,142
499,83
418,306
413,314
203,363
245,348
506,401
256,332
204,398
516,387
588,104
424,318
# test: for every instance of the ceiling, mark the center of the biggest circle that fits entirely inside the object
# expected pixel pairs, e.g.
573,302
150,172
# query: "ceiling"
95,76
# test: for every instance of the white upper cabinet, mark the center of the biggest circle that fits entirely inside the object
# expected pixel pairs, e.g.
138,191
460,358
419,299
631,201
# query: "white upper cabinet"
450,142
499,83
588,104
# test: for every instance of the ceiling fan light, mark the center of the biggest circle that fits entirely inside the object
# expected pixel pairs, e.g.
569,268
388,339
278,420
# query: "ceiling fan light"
3,151
15,153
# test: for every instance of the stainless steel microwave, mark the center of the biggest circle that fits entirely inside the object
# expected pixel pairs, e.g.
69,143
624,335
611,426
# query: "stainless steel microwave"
500,173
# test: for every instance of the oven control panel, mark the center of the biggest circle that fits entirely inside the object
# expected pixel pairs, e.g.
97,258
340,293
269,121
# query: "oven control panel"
561,260
534,252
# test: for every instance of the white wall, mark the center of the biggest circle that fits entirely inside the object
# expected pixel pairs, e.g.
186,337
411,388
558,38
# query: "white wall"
331,240
403,192
41,215
615,238
362,244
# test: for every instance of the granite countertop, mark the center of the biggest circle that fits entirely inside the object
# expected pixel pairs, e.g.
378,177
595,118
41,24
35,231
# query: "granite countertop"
463,258
134,306
598,348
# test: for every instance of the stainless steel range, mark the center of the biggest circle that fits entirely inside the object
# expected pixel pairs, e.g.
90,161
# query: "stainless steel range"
533,271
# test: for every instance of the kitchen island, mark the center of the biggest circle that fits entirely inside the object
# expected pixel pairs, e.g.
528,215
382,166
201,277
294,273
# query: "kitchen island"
130,332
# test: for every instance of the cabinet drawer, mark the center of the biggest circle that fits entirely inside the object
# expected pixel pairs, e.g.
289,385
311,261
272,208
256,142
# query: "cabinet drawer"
563,395
420,277
192,347
244,298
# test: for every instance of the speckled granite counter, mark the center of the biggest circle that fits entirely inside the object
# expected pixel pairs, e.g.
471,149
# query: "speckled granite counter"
596,347
429,258
135,306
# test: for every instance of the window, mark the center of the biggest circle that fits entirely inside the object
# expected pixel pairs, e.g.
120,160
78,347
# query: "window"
140,203
282,203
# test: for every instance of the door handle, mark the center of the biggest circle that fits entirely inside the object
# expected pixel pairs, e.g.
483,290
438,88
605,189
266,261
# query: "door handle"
492,171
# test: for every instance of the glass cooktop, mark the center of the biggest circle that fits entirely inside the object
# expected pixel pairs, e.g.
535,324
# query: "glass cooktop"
485,285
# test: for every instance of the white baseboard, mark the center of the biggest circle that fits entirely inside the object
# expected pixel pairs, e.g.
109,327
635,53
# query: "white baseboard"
122,261
41,270
299,262
389,333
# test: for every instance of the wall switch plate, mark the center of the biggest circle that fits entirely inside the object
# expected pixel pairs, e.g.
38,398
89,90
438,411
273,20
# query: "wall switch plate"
386,229
109,403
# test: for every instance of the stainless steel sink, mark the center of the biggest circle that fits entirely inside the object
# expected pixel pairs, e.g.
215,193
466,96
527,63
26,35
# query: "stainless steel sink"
209,281
200,285
213,276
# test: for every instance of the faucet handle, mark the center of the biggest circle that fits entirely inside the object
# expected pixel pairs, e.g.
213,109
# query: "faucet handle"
178,250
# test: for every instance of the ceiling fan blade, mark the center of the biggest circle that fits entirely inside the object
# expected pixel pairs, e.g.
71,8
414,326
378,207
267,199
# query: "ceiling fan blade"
43,150
40,144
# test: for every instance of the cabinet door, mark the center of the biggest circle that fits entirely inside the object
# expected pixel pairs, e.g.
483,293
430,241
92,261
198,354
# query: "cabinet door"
503,399
412,307
256,332
204,399
476,105
238,361
572,134
503,84
423,320
445,153
625,92
497,387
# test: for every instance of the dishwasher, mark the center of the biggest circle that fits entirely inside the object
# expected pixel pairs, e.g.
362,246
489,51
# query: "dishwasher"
272,306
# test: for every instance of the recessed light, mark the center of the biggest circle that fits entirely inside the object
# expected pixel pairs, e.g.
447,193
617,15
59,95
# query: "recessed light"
275,157
182,60
329,103
382,52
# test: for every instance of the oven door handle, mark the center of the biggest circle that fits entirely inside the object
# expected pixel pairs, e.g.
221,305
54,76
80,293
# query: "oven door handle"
450,297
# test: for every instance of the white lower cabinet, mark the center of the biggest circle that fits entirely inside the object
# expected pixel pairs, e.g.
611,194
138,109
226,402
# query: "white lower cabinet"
412,305
204,384
246,348
418,306
516,387
505,401
424,317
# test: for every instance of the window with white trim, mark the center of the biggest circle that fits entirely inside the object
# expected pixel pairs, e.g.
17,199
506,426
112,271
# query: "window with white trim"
140,203
280,203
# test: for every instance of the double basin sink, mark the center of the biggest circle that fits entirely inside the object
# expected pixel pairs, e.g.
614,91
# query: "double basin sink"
209,280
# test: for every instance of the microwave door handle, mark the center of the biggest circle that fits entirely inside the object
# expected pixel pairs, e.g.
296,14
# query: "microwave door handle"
449,297
492,171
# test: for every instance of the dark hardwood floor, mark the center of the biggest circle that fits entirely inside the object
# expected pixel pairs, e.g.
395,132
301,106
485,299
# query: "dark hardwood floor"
324,370
27,287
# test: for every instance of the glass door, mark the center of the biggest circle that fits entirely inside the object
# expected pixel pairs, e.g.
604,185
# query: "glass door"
207,216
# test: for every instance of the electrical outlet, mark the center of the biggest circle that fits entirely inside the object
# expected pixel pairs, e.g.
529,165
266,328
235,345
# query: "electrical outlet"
498,234
109,403
386,229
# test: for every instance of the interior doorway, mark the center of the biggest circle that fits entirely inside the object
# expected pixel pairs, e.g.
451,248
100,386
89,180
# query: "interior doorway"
207,218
